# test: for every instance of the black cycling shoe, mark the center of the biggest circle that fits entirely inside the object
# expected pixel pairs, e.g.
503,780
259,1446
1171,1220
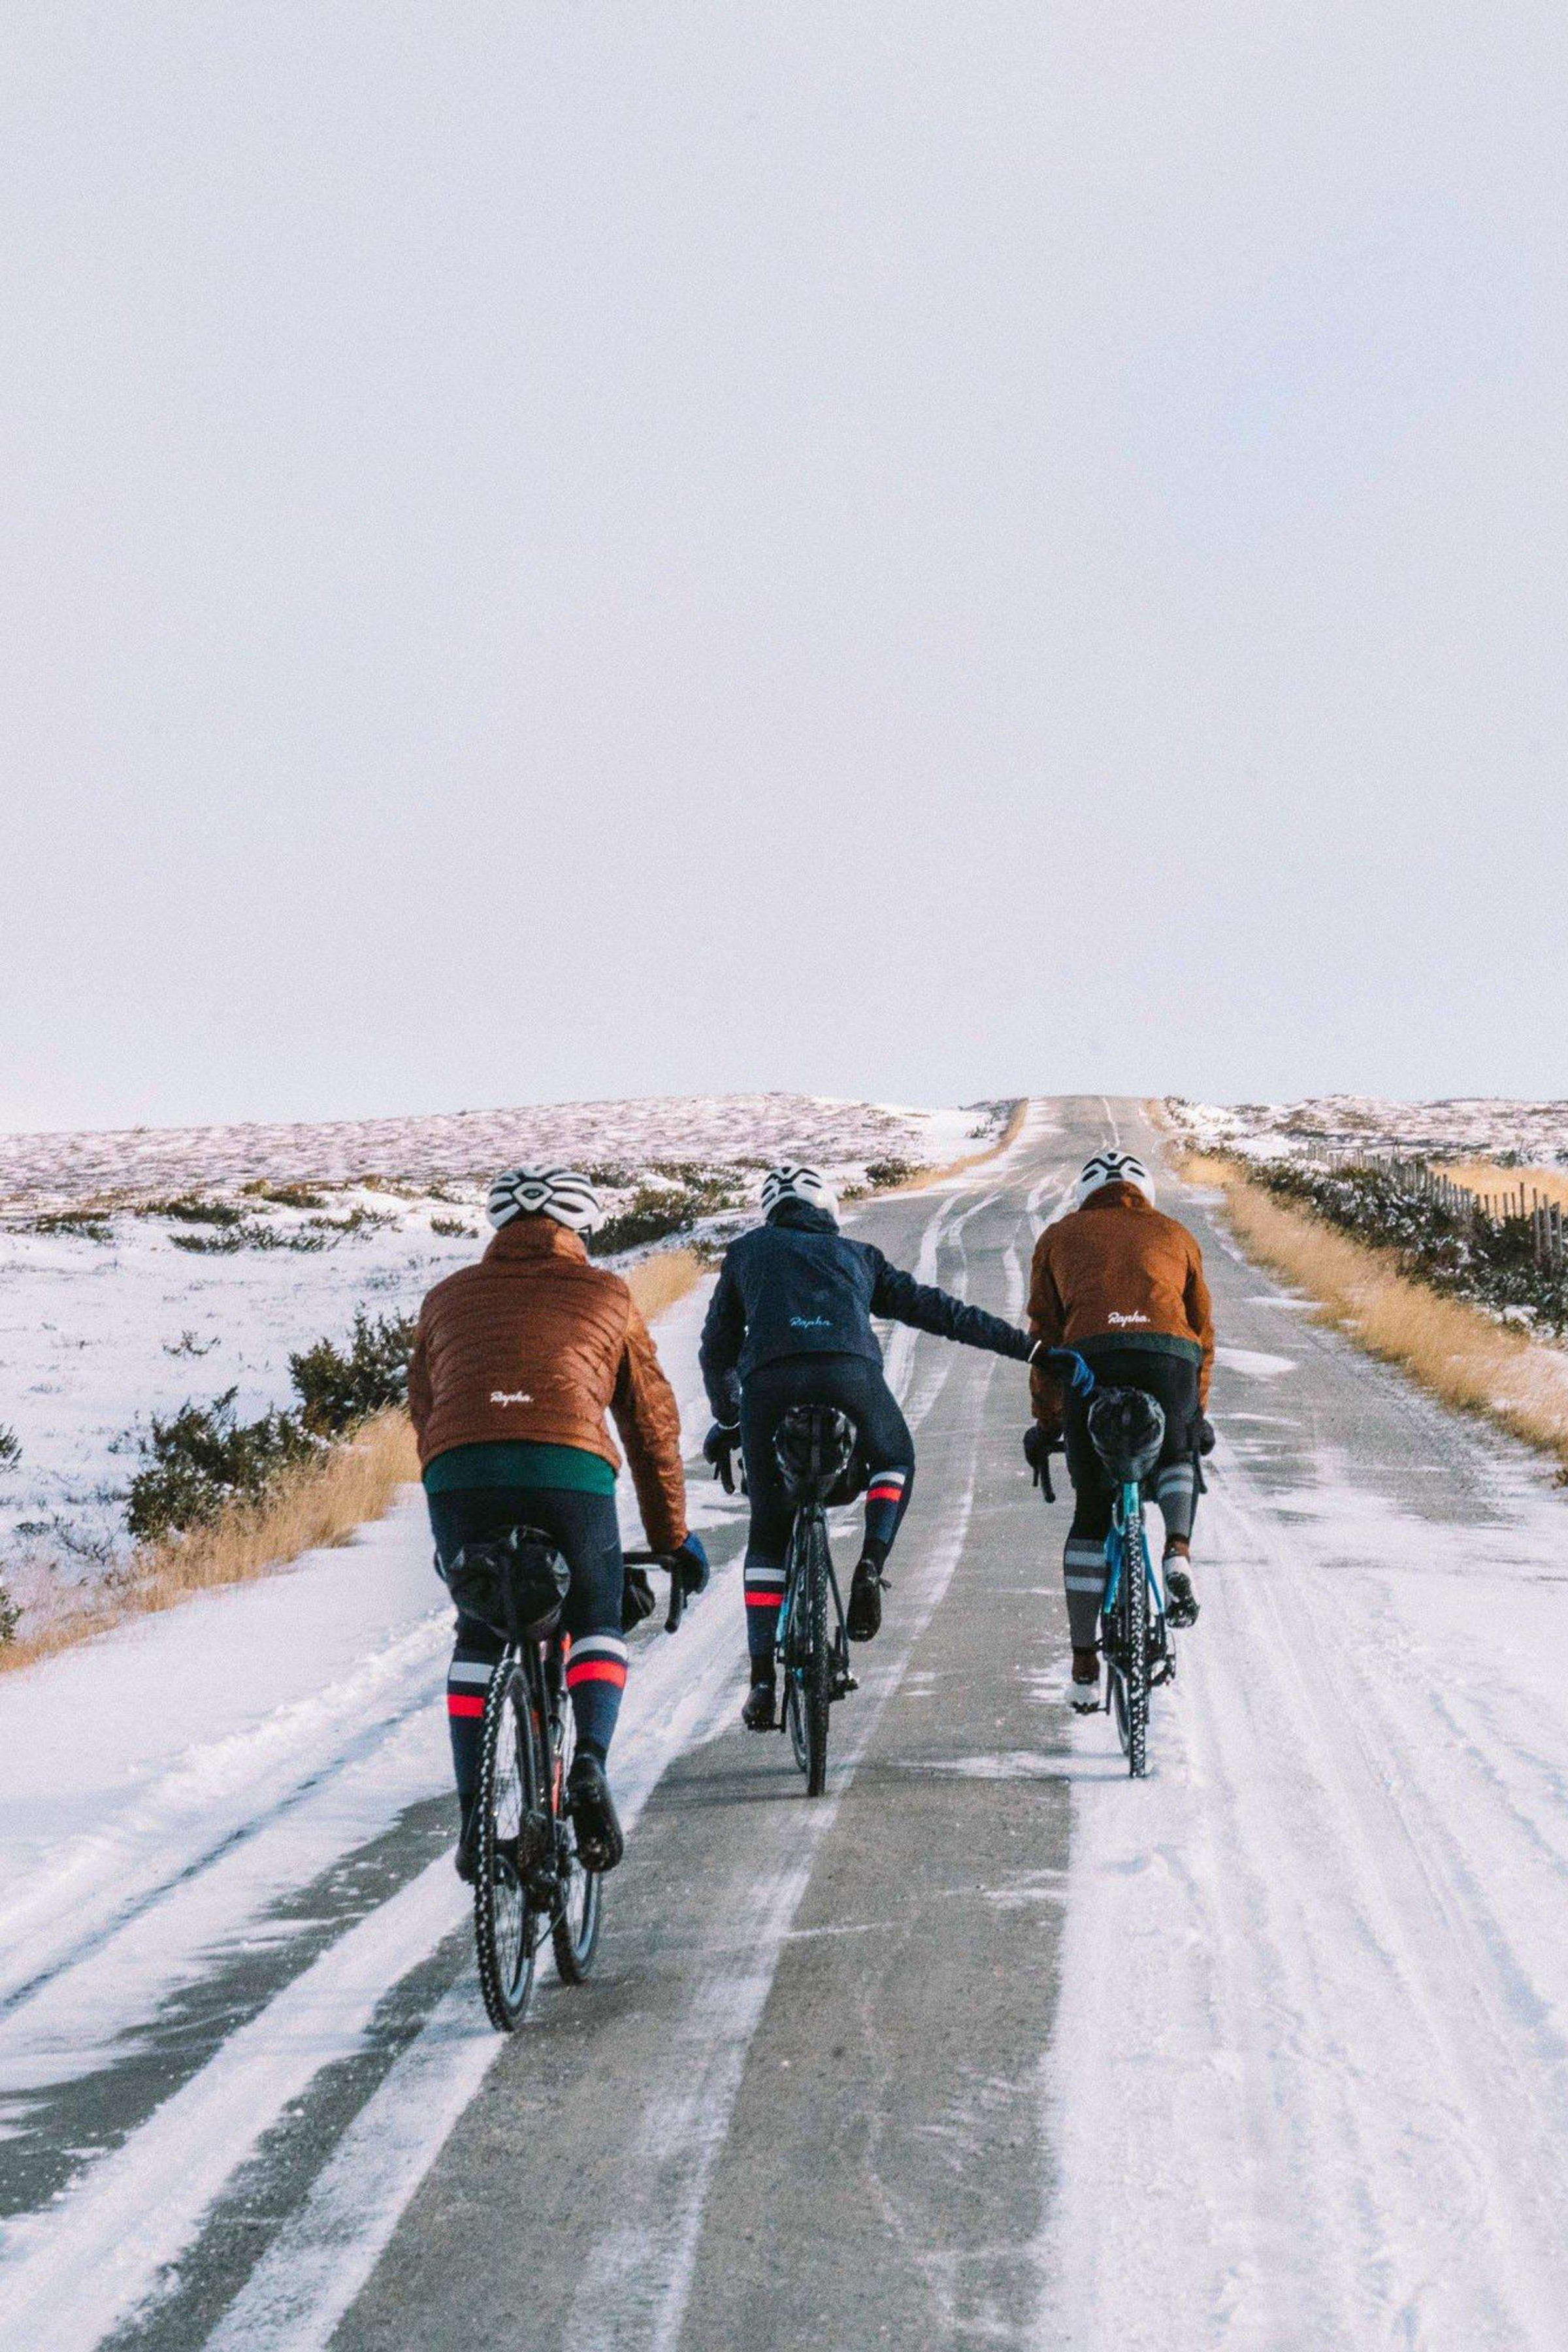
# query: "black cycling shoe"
761,1710
1085,1682
600,1844
467,1858
863,1618
1181,1601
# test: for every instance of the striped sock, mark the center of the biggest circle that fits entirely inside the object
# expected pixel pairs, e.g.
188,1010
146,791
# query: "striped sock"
1084,1568
764,1586
595,1677
468,1680
1175,1492
884,1507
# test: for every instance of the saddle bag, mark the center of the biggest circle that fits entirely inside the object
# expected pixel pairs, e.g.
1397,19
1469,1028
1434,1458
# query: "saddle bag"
514,1583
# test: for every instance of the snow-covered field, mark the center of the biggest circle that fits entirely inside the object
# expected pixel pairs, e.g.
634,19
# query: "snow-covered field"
1534,1134
471,1145
135,1313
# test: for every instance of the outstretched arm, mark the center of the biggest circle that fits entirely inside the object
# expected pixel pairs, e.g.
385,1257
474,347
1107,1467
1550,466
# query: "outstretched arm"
723,1335
900,1295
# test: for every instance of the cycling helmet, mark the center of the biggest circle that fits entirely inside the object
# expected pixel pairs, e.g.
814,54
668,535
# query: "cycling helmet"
1112,1168
789,1181
558,1192
1126,1429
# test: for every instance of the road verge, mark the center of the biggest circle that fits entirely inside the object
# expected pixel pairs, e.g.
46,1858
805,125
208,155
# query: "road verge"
1461,1354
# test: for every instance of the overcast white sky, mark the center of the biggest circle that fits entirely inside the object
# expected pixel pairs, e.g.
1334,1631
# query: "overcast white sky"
617,546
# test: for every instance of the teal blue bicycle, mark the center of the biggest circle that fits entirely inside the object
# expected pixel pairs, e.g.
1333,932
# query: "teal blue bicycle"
1127,1429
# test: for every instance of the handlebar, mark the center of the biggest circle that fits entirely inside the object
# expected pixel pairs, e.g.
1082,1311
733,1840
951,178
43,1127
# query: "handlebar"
671,1568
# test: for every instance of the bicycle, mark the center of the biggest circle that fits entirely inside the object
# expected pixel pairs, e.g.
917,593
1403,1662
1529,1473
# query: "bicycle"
529,1878
1127,1428
815,1447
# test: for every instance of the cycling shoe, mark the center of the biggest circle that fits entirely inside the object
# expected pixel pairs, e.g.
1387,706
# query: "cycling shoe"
1085,1690
1181,1601
863,1618
600,1844
760,1712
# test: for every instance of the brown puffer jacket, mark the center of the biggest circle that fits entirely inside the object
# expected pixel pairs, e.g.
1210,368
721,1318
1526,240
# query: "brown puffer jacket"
535,1343
1116,1271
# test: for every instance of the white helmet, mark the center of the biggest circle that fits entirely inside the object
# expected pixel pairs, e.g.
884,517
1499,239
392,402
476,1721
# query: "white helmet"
558,1192
789,1183
1111,1168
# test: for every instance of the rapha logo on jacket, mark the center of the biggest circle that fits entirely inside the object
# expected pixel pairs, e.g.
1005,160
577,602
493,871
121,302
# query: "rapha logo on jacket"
810,1322
1123,1319
511,1396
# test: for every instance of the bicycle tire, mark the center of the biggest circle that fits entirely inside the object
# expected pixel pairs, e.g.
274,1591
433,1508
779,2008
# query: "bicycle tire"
791,1647
1136,1584
817,1681
510,1799
579,1911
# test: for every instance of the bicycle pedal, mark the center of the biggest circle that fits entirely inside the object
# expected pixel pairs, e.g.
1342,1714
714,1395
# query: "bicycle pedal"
843,1684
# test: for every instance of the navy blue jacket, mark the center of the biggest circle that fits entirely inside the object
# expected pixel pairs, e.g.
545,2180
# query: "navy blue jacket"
797,1286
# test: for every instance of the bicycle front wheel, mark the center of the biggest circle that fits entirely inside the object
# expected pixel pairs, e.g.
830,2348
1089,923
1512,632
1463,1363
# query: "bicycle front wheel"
513,1836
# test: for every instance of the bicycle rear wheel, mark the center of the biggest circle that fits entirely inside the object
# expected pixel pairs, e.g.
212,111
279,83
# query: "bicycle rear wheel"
513,1837
816,1680
579,1909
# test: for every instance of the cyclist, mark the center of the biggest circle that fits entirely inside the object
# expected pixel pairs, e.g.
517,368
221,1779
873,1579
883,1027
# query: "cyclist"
1125,1286
516,1360
790,1324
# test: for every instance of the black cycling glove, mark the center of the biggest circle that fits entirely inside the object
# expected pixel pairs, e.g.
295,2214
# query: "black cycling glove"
718,1449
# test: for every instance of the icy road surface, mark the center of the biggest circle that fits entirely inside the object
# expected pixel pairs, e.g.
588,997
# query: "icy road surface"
989,2047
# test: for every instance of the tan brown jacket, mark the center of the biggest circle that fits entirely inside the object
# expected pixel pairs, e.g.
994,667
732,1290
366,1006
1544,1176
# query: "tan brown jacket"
535,1343
1118,1270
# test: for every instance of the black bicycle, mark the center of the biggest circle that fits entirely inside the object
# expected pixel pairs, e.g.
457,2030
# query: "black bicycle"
815,1447
529,1878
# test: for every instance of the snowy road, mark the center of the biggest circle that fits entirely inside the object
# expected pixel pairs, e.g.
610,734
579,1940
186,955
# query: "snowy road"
987,2048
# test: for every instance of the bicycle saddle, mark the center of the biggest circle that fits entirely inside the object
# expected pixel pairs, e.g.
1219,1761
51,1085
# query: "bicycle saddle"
815,1448
1126,1429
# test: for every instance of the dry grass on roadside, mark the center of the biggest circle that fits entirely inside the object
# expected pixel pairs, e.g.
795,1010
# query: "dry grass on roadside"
321,1504
656,1282
920,1180
1485,1177
1462,1355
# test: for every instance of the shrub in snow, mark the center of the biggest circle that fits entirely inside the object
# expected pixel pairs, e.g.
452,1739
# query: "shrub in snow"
338,1387
10,1447
1488,1260
200,1459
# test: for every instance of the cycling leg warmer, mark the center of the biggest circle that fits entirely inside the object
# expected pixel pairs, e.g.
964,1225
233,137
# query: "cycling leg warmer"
764,1586
1176,1491
1083,1565
468,1680
595,1677
886,1500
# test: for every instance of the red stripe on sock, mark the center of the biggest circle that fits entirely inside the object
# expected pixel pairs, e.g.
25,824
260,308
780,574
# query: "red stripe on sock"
765,1600
884,1493
458,1704
596,1670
